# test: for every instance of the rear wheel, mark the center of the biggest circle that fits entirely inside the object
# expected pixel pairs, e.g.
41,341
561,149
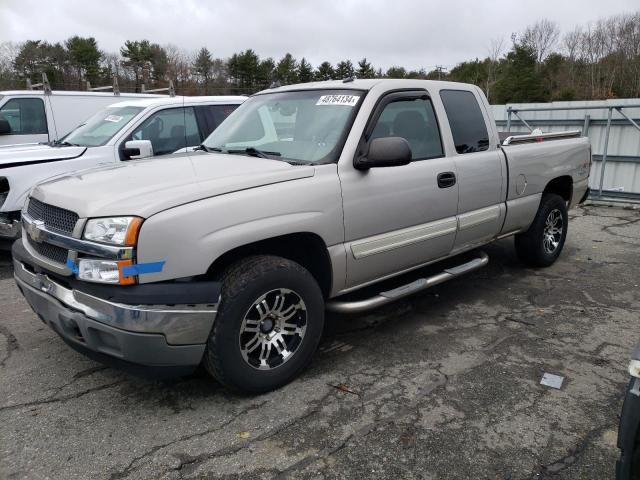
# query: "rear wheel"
542,243
268,325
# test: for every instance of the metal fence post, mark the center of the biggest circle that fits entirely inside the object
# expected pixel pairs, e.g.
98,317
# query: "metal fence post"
508,119
585,127
604,154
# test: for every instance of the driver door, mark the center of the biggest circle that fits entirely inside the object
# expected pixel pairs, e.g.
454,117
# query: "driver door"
397,218
170,130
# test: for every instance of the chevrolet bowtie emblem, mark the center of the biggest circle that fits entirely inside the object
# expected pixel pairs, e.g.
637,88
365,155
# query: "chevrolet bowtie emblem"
43,283
34,230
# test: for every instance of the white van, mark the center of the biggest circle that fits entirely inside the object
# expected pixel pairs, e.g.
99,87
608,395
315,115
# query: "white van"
121,132
33,116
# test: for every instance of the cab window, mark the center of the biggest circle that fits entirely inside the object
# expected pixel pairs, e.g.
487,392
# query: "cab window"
169,130
26,116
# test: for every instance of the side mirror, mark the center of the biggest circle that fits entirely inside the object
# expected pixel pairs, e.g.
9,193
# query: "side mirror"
136,149
5,127
385,152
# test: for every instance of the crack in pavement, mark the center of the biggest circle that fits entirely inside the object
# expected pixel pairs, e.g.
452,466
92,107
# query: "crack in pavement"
367,428
65,398
573,454
129,469
189,463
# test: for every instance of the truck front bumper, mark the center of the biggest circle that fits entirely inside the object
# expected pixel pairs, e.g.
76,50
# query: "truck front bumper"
9,228
125,335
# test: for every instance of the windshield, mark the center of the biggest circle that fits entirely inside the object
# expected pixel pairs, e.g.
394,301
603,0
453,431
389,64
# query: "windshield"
100,128
304,126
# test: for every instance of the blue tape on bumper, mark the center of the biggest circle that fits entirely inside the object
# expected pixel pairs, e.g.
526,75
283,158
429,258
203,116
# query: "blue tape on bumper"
142,268
72,266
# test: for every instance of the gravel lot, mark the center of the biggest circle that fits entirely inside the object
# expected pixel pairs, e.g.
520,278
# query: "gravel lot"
444,385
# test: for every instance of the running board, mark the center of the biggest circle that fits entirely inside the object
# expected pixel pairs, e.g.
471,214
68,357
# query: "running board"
405,290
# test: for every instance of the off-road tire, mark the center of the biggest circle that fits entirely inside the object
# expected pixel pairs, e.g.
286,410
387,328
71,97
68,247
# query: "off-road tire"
243,283
530,245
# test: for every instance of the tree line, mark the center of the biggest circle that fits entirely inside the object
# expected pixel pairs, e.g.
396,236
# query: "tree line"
596,61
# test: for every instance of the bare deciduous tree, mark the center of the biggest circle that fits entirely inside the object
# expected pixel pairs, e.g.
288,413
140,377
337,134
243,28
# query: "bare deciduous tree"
542,36
496,47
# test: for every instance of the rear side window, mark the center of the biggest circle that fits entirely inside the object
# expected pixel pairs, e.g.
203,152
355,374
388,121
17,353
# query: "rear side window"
210,116
26,116
465,118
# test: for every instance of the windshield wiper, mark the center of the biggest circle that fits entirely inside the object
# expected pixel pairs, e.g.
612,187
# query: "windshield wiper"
204,148
254,152
63,143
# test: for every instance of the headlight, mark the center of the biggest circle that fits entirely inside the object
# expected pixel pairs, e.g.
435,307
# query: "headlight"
113,230
104,271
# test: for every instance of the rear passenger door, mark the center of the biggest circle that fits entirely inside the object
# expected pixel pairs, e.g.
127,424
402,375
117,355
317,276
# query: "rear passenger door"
479,169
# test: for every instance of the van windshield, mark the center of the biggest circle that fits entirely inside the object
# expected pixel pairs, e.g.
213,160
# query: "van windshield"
100,128
307,126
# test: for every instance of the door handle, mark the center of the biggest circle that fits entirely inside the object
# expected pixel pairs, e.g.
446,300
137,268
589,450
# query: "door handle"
446,179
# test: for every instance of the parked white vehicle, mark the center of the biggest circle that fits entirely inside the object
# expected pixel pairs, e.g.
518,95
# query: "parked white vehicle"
33,116
123,131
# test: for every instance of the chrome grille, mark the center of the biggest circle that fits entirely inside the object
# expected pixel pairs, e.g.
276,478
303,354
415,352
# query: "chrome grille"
52,252
55,218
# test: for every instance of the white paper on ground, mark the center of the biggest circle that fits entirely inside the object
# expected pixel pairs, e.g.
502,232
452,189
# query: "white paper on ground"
551,380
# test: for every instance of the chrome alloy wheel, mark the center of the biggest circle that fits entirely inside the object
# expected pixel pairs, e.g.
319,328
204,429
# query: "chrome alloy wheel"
273,329
553,231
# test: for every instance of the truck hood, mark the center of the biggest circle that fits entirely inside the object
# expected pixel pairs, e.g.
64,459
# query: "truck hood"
146,187
17,155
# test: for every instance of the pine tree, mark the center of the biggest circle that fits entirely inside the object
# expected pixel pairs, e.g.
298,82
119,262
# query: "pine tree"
324,72
344,70
287,70
305,71
521,80
396,72
203,65
365,70
143,55
84,56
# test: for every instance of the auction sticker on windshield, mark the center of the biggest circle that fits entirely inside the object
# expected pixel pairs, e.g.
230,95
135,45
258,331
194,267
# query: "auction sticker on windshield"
349,100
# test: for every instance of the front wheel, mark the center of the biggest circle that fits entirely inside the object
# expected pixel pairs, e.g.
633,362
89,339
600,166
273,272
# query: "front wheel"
542,243
268,325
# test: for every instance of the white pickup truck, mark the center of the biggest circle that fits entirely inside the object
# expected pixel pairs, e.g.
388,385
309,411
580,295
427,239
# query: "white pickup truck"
228,257
36,116
123,131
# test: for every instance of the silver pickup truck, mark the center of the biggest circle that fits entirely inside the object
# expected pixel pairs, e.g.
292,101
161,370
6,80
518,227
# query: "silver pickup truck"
229,256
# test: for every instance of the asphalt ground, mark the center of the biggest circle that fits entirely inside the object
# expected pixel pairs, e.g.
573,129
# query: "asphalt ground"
442,385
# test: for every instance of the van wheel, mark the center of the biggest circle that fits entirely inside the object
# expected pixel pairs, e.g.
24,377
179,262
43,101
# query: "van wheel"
541,245
268,326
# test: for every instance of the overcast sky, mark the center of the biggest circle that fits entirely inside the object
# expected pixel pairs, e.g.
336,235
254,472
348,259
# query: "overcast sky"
411,33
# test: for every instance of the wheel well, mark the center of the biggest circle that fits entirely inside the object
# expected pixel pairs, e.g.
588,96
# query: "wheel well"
562,186
306,249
